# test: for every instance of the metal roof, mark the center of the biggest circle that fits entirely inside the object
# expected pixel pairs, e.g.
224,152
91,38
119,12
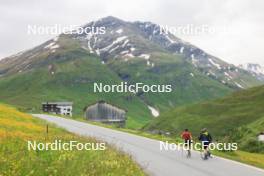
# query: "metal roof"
104,102
59,103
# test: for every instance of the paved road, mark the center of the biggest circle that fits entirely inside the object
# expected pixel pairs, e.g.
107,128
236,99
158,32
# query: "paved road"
147,153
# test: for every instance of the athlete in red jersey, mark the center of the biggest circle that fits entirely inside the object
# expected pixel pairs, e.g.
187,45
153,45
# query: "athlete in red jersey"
187,136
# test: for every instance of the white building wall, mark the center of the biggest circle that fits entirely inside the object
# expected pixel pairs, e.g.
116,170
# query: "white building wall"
65,109
261,137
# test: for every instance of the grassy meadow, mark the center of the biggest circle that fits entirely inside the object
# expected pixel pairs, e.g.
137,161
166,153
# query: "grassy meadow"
237,117
16,128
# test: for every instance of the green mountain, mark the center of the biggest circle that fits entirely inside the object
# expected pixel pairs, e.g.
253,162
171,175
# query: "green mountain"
65,68
238,117
69,75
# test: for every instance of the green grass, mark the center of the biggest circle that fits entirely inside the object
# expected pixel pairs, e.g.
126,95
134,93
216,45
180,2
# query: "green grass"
254,159
220,116
17,128
246,135
235,118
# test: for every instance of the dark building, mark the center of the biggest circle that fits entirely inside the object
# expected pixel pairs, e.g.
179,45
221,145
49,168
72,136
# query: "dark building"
62,108
106,113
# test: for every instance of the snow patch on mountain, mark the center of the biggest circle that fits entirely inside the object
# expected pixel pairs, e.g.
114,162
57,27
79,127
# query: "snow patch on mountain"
119,31
228,76
148,63
125,43
215,64
124,52
182,49
113,49
52,46
129,55
145,56
239,85
169,39
119,39
132,49
154,111
97,51
55,39
256,70
89,46
253,68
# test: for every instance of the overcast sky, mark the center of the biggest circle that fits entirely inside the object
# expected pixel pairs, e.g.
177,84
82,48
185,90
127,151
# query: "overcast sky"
236,28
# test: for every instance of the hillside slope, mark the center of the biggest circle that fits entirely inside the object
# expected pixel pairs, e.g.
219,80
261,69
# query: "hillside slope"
17,128
67,75
221,116
246,135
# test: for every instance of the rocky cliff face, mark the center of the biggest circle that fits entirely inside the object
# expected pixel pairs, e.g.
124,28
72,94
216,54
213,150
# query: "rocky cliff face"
256,70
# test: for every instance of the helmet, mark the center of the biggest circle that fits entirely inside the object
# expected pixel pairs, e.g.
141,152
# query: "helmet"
204,130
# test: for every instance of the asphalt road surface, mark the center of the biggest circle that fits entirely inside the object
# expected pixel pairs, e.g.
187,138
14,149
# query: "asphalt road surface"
157,162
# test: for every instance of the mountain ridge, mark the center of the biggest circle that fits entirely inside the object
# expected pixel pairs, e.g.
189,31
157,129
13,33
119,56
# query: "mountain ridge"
127,51
254,68
138,39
